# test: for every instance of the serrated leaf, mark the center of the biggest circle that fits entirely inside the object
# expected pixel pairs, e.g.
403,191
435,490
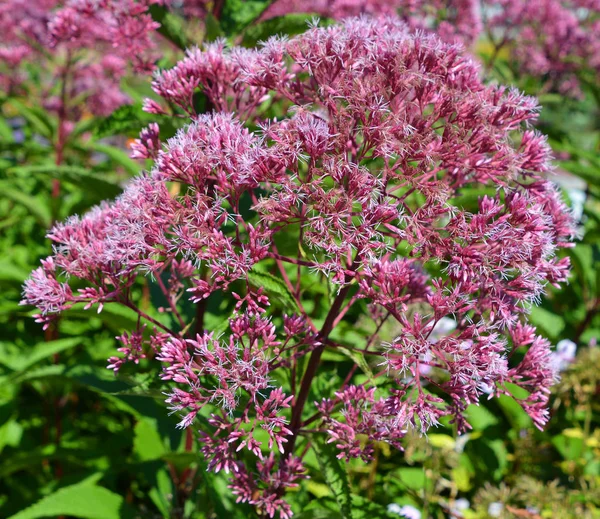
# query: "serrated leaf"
274,286
359,358
335,476
82,500
123,120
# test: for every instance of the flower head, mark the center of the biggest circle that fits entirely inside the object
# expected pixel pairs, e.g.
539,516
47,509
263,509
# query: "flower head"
384,130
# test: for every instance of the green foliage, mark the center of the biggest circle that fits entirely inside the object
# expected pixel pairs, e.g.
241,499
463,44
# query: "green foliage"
336,478
83,500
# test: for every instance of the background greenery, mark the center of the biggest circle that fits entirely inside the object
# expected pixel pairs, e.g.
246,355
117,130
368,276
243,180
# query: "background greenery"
76,440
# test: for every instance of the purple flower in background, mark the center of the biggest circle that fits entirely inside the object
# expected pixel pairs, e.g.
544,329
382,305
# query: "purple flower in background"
565,353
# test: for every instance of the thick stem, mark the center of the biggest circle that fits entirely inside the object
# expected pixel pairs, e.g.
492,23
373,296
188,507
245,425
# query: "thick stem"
311,369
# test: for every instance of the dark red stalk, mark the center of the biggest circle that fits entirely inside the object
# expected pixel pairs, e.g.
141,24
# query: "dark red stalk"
311,369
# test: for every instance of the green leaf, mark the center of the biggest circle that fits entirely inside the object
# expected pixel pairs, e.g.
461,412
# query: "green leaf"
32,459
37,117
412,478
288,25
569,446
319,513
159,493
238,14
10,434
114,316
515,414
480,417
147,443
11,272
81,500
359,358
171,26
124,120
6,133
33,204
42,351
547,321
119,156
363,508
274,286
213,29
80,177
335,476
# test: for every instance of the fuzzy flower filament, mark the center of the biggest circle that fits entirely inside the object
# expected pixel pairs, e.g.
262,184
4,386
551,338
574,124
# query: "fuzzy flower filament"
395,178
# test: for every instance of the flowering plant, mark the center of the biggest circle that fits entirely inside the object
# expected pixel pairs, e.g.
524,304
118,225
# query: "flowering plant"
350,212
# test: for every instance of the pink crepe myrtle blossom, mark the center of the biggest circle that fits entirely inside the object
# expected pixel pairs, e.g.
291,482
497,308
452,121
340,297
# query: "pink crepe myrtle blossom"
383,132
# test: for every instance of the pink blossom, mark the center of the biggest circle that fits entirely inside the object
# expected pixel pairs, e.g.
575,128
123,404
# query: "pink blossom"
385,130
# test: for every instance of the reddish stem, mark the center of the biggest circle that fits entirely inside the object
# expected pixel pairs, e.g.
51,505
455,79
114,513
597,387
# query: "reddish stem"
313,363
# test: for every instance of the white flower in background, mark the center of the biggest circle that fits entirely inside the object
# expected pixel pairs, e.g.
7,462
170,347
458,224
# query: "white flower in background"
406,511
443,327
459,506
495,509
461,441
576,191
564,354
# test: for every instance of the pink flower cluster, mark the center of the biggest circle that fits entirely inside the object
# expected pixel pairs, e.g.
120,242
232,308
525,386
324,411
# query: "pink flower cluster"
89,45
453,20
384,135
552,39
